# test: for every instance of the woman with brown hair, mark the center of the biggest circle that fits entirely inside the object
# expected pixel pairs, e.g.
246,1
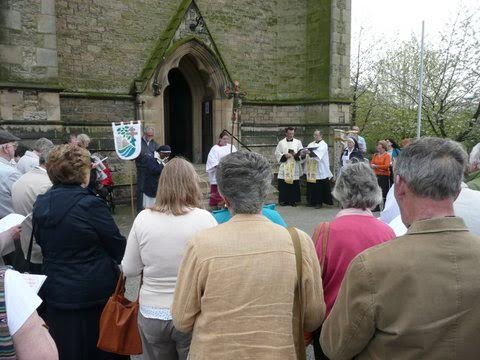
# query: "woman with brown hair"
155,248
81,247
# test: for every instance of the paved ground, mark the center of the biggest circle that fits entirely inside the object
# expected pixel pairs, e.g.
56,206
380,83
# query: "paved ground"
302,217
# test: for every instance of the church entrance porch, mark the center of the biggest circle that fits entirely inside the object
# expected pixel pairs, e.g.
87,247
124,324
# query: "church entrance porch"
185,101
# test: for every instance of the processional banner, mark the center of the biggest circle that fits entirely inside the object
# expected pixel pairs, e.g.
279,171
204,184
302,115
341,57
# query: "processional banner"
128,139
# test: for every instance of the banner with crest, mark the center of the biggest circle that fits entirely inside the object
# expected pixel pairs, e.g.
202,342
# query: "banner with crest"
128,139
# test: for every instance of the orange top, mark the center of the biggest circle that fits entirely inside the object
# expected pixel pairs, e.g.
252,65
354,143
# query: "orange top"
383,164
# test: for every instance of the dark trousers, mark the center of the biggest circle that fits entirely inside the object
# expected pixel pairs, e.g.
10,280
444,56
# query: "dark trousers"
317,349
140,187
319,193
75,333
384,183
288,194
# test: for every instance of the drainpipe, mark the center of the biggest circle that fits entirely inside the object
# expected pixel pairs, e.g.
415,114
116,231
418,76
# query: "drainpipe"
139,114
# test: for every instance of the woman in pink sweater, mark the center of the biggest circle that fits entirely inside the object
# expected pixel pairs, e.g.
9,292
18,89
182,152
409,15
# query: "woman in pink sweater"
353,230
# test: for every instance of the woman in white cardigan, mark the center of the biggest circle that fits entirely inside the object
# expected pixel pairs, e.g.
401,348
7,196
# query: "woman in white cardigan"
155,247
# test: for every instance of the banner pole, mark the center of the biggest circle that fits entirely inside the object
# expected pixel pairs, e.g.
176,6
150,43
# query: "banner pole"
131,190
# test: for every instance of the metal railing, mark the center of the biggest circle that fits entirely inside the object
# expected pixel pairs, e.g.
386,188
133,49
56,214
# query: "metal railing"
238,140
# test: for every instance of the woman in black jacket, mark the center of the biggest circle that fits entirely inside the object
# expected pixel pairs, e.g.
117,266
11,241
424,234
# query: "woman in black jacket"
81,247
351,152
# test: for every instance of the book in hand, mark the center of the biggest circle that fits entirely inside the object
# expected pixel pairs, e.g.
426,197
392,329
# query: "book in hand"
10,221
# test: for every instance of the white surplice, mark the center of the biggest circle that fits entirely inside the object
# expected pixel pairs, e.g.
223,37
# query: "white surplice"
321,162
216,153
282,148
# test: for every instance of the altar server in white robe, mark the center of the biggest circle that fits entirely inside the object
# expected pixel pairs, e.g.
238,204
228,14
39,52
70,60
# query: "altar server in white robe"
222,148
317,168
290,155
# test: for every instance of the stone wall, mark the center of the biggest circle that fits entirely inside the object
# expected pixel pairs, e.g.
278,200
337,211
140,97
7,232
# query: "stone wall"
103,44
340,49
28,105
264,125
28,42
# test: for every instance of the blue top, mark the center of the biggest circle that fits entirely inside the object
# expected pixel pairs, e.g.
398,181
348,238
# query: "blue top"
268,211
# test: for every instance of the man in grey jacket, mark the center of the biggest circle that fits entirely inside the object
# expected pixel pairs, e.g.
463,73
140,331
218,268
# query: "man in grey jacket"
8,173
414,297
24,194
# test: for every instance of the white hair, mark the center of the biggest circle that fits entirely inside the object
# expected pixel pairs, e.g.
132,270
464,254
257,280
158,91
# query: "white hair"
357,187
244,179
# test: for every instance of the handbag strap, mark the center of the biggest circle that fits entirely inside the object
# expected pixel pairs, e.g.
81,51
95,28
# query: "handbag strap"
298,299
326,230
120,288
322,231
30,245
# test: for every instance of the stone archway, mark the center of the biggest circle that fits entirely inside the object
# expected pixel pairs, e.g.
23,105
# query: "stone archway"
211,111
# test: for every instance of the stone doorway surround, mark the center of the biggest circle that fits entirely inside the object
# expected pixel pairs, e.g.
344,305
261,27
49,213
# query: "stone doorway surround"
206,80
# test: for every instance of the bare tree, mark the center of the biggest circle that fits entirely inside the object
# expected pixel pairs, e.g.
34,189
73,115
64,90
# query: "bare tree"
451,88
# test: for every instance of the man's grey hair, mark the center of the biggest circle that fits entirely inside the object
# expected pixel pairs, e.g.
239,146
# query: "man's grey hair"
432,167
243,178
475,156
149,128
43,146
357,187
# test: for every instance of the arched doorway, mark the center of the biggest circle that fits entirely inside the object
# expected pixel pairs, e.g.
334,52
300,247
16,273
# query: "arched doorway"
194,65
177,99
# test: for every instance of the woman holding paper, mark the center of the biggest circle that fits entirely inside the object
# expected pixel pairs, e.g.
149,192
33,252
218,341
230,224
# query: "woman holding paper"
24,333
82,248
7,238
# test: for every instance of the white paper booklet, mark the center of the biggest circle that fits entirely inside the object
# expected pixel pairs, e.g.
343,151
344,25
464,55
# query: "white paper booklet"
34,281
11,220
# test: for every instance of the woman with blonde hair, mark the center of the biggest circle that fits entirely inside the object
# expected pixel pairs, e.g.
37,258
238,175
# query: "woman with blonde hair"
155,249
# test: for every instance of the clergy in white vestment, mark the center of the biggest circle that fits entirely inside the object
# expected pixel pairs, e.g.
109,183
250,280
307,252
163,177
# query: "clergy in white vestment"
317,169
218,151
290,155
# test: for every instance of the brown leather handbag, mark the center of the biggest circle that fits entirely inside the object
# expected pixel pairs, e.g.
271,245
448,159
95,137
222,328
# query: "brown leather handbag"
118,324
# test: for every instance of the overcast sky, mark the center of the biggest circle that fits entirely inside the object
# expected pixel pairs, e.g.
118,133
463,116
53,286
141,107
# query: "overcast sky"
399,18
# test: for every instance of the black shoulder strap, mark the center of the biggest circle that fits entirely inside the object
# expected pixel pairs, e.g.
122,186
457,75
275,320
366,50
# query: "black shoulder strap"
30,245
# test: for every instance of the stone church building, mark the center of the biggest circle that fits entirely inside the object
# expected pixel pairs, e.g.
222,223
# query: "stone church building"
73,66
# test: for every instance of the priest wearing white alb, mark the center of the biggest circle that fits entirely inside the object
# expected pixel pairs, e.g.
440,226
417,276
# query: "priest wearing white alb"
290,155
217,152
317,168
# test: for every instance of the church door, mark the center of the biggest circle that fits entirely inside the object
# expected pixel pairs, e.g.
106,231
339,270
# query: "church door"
178,115
207,129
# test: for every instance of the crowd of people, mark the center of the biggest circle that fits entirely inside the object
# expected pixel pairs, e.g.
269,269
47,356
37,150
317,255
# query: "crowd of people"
237,283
